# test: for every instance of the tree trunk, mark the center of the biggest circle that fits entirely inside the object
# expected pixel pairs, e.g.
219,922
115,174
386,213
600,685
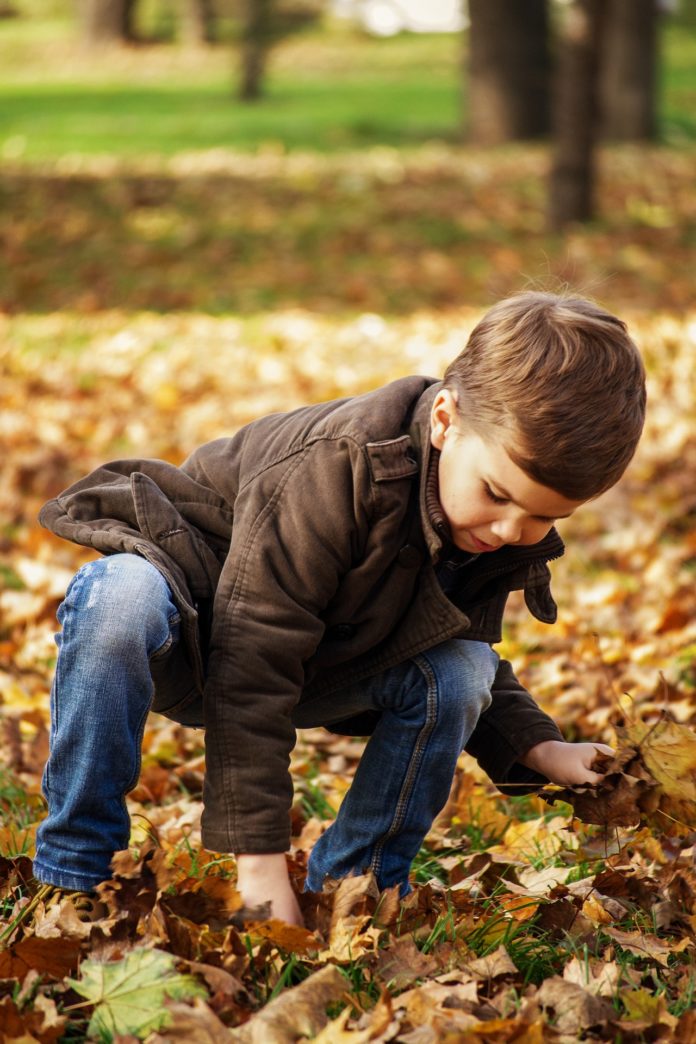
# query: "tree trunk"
104,21
509,70
128,32
575,114
256,42
197,22
629,74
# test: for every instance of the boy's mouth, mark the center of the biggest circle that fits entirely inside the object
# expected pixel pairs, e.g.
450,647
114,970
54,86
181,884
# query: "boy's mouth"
481,546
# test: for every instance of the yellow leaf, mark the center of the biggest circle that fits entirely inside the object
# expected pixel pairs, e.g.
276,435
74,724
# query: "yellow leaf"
669,753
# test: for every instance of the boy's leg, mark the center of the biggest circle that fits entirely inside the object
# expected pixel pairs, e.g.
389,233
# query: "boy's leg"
430,706
117,616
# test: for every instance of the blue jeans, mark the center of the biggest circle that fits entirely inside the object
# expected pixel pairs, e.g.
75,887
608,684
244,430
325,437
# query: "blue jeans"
120,633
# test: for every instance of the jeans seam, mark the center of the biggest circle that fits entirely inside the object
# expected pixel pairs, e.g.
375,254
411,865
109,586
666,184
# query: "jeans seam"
414,763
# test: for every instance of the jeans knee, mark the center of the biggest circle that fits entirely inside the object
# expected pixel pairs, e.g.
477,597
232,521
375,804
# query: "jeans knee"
464,672
118,602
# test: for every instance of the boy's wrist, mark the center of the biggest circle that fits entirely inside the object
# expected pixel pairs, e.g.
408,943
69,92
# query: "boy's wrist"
261,864
538,756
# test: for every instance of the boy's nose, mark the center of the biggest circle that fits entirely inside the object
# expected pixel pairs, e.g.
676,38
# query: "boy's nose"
509,530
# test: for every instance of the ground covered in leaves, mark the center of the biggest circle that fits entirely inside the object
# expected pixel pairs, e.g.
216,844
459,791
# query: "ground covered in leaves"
525,923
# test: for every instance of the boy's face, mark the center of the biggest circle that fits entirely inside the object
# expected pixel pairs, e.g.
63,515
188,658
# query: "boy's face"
487,499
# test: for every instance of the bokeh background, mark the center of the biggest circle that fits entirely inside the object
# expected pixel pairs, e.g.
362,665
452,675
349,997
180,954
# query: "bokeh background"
212,209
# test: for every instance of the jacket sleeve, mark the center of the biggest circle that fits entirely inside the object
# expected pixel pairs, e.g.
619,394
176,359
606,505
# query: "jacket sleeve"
298,527
511,726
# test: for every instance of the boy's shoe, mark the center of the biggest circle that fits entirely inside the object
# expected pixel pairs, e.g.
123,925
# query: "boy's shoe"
86,905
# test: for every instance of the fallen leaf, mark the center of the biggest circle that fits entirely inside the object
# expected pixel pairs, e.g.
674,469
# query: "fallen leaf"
573,1008
297,1012
191,1022
400,963
642,944
290,937
371,1027
645,1010
129,994
493,965
54,957
598,977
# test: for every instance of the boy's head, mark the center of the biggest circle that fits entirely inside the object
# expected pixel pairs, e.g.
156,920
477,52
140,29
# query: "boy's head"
559,385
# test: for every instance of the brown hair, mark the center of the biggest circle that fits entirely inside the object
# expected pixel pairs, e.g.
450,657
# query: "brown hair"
559,382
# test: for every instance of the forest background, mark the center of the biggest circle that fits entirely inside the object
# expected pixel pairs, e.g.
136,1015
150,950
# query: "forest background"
176,261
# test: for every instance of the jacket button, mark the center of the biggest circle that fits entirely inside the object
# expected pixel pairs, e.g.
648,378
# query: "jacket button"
409,557
342,632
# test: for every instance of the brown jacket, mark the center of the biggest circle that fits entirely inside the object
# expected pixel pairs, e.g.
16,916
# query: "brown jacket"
300,553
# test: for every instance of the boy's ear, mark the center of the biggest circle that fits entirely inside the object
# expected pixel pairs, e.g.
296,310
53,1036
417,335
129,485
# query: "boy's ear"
442,416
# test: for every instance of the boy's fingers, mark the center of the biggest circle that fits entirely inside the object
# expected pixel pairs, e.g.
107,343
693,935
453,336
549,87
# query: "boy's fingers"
603,748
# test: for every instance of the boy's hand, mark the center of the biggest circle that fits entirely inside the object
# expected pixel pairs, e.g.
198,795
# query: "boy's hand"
569,764
263,878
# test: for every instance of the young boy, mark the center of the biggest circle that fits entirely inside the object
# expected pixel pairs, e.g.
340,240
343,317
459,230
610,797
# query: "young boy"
346,564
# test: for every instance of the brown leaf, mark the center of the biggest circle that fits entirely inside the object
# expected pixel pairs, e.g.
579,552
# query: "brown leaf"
12,1024
300,1011
371,1027
493,965
191,1022
598,977
290,937
619,800
572,1007
648,946
54,957
401,963
351,934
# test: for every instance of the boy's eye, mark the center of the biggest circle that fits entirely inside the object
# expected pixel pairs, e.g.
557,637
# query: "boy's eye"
494,496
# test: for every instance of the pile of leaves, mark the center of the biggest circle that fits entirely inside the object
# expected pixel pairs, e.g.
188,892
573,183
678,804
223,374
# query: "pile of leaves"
525,923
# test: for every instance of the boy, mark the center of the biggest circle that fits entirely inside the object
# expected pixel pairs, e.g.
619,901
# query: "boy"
346,565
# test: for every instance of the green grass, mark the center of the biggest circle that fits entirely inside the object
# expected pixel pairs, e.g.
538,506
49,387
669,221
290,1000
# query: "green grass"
328,90
41,121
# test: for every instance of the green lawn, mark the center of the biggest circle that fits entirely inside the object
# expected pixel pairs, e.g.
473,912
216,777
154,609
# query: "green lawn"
328,90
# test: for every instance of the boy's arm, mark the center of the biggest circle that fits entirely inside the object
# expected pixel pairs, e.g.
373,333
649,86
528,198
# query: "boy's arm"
512,726
296,531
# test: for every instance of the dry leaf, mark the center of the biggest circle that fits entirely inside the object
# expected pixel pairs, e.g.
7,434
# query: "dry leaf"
493,965
191,1022
298,1012
573,1008
401,963
648,946
371,1026
53,957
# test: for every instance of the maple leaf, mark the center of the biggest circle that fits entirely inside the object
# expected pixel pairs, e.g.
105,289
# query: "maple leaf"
129,994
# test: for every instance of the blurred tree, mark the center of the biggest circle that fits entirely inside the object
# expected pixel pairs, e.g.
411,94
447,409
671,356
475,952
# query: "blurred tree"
629,70
575,112
257,39
107,21
509,66
197,22
264,23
